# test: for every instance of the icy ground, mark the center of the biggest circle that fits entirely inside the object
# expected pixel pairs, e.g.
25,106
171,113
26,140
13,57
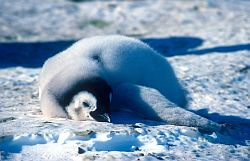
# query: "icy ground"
206,42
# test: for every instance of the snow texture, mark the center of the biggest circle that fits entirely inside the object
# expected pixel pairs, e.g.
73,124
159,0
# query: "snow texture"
207,43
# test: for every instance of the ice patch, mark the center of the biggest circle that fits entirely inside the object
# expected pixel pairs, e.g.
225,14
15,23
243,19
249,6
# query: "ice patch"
138,139
86,141
125,143
14,144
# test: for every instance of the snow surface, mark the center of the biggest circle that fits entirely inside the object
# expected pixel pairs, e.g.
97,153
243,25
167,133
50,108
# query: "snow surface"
209,45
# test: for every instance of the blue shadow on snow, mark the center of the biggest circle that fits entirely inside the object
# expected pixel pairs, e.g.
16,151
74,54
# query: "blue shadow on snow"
34,54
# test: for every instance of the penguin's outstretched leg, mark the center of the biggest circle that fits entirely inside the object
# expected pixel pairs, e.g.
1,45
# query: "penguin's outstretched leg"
151,104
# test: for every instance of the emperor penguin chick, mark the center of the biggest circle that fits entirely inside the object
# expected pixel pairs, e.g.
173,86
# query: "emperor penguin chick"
77,83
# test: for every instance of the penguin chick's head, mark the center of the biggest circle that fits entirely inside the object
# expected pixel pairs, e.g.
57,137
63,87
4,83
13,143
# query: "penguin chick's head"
84,107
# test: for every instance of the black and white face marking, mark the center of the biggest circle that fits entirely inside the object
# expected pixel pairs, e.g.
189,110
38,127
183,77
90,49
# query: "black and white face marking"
81,106
91,104
86,105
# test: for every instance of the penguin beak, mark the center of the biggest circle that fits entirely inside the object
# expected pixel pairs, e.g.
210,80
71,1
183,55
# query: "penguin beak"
100,117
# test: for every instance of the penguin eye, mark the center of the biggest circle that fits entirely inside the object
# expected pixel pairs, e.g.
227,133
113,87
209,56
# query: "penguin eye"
85,104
